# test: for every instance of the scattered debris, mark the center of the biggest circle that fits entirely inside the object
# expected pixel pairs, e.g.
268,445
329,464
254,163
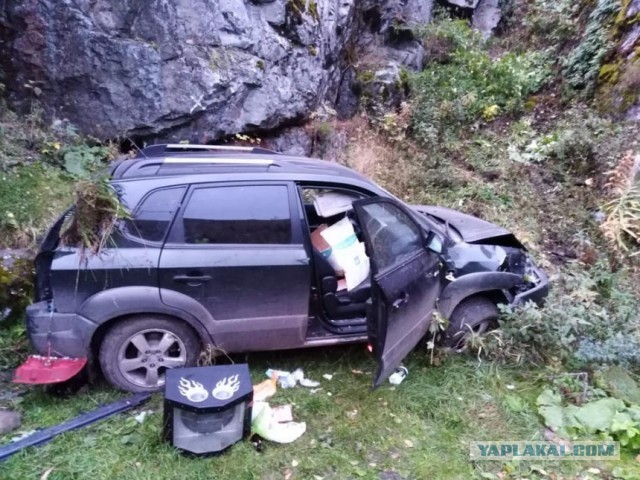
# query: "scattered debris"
291,379
511,387
140,418
282,413
9,421
264,390
408,443
305,382
264,423
327,376
46,474
22,435
398,376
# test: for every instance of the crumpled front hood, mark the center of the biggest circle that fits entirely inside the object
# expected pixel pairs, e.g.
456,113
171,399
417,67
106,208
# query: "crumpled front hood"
471,229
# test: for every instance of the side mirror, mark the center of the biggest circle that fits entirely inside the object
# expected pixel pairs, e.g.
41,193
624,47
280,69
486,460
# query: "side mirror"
434,243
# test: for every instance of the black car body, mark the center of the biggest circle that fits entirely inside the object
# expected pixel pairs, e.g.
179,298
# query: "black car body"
218,252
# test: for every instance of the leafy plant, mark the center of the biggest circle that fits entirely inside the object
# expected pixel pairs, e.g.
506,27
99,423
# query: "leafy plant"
609,418
470,85
619,348
581,307
16,288
581,68
83,160
551,21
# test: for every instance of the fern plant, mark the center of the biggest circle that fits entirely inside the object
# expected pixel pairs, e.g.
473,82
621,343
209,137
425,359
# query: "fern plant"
621,227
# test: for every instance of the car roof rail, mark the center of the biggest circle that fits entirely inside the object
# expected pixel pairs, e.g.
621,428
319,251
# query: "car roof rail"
218,161
168,149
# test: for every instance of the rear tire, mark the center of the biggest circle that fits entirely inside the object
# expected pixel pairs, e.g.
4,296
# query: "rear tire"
135,353
475,314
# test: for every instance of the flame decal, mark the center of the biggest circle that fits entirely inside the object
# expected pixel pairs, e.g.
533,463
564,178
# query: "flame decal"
226,387
194,391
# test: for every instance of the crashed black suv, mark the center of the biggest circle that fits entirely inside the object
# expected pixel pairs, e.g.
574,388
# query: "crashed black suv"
222,250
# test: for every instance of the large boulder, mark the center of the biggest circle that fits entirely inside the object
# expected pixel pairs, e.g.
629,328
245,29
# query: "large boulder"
201,70
198,69
486,17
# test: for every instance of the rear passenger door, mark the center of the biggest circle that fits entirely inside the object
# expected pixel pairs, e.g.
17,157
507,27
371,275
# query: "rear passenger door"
237,249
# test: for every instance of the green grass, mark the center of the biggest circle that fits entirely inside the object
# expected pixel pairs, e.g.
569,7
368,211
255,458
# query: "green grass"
419,429
31,197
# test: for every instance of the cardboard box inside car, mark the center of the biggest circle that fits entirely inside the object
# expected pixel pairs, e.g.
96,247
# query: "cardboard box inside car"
346,252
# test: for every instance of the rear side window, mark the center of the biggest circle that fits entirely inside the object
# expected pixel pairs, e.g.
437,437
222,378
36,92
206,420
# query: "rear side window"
151,219
252,214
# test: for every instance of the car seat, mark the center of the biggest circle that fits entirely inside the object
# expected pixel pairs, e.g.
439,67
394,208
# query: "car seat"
339,304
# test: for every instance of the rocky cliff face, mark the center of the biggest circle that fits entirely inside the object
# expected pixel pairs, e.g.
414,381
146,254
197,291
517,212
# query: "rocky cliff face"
201,69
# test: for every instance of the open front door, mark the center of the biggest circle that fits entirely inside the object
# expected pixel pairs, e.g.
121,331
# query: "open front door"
405,281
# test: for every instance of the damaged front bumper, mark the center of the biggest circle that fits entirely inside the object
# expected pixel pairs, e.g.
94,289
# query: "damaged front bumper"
537,293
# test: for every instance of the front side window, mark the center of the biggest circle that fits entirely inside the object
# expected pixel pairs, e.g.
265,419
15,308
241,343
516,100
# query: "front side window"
393,235
153,216
252,214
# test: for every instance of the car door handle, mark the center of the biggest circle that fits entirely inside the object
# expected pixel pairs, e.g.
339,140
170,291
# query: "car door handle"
192,278
404,298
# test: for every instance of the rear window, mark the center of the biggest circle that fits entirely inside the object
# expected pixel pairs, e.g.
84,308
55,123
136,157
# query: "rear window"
151,219
252,214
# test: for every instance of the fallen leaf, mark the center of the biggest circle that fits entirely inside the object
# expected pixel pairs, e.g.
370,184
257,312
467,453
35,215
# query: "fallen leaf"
594,471
327,376
408,443
46,474
356,372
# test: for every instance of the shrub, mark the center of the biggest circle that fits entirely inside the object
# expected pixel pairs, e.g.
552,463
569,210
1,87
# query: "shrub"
552,21
585,306
619,348
470,85
16,288
582,67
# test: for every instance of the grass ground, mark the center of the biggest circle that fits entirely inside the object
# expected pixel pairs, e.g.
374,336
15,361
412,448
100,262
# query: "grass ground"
420,429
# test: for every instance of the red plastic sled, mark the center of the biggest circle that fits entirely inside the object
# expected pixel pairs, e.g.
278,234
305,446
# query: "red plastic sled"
42,370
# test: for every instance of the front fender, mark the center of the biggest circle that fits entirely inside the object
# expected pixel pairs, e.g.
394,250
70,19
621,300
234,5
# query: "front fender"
472,284
117,302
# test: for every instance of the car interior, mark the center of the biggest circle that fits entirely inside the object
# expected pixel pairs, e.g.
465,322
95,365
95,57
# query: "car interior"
339,302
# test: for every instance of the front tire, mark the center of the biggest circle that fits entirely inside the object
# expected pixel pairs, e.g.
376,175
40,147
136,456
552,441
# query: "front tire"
135,353
472,316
